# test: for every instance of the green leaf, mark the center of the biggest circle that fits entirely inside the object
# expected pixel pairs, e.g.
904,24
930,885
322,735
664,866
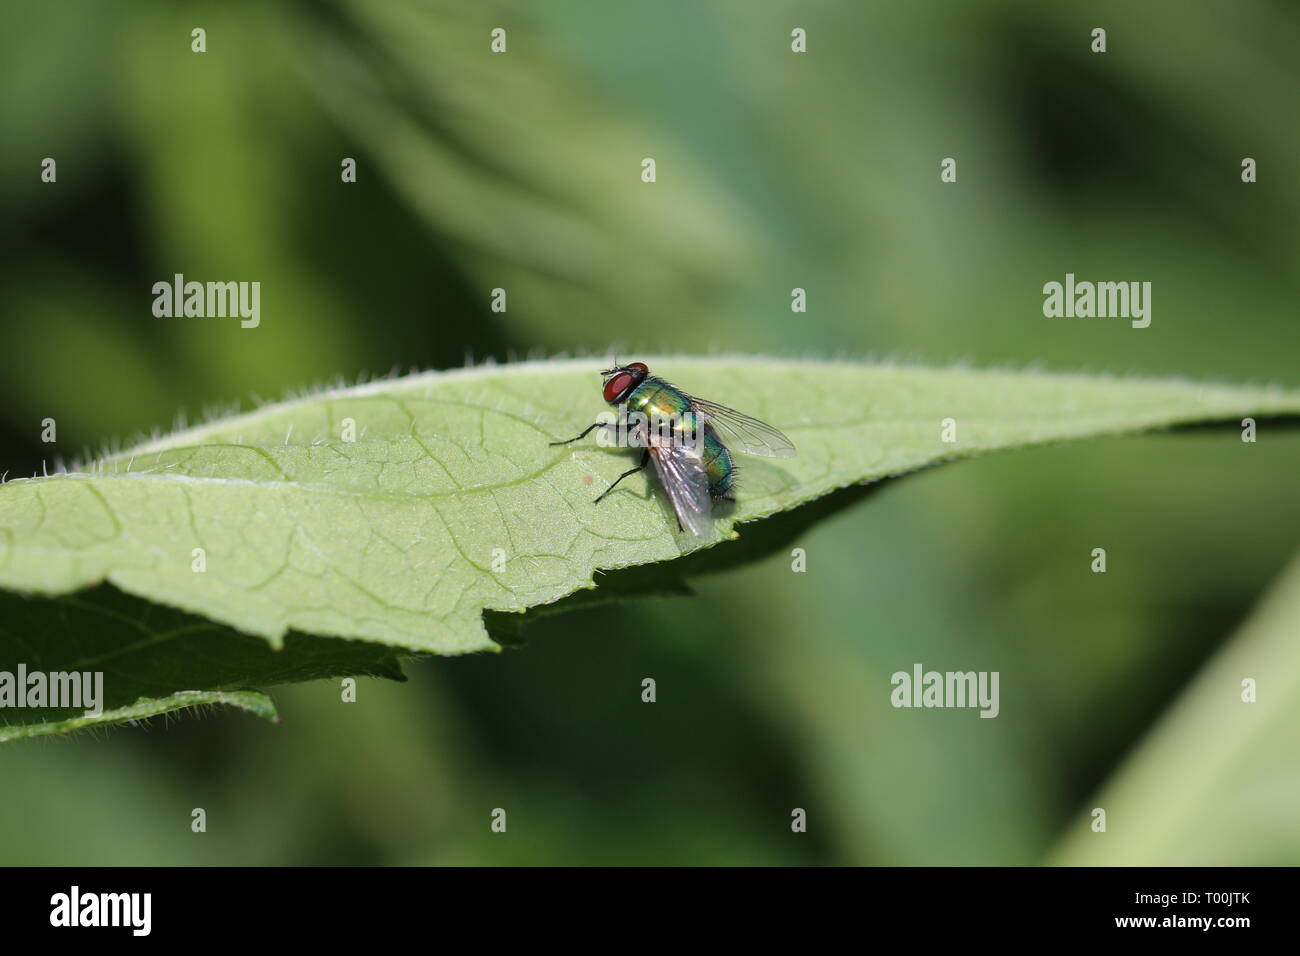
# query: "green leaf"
1233,765
450,503
144,708
150,655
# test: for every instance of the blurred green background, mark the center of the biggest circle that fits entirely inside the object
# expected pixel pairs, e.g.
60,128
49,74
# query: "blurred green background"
775,170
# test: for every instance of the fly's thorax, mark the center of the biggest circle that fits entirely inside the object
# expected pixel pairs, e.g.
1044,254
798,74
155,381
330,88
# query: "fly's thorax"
655,396
658,414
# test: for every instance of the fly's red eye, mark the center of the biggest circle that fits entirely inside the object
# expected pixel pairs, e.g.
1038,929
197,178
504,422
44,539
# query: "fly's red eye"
616,386
638,367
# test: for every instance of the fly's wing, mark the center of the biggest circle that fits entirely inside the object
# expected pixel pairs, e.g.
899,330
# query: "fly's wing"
686,483
742,433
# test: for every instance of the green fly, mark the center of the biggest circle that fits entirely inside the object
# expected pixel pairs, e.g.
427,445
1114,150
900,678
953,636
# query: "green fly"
688,439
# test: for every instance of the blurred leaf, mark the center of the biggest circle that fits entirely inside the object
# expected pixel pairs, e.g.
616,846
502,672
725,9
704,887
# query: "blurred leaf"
530,176
392,538
1215,781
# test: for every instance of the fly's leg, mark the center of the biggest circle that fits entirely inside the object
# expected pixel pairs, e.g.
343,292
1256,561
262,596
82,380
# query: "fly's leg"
645,460
585,432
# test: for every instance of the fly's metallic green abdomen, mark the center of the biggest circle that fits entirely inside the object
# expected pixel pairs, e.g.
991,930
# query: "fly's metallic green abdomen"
654,397
717,460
